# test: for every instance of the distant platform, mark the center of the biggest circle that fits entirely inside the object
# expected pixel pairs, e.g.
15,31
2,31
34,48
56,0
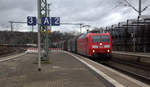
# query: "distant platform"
132,56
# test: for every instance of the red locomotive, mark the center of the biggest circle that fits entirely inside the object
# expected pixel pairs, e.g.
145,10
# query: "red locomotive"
90,44
94,44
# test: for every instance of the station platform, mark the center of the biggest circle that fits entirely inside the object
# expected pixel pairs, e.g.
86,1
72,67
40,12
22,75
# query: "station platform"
132,56
63,71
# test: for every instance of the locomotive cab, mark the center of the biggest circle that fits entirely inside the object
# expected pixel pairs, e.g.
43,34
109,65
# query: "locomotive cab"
100,45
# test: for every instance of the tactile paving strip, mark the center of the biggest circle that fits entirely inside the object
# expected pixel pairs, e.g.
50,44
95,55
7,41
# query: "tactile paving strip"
54,83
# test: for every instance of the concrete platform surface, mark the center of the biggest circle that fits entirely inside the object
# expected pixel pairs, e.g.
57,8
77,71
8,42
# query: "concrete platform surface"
63,71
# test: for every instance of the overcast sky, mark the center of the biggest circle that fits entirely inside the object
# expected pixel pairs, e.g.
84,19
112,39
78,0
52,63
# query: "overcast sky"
97,13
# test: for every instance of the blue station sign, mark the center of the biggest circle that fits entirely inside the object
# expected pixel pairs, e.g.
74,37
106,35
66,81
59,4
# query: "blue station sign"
31,20
45,21
55,21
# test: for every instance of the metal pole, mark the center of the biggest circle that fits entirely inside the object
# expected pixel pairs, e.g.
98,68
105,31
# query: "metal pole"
134,40
46,40
32,28
140,5
139,14
39,27
80,28
49,15
11,25
43,12
32,34
48,10
50,27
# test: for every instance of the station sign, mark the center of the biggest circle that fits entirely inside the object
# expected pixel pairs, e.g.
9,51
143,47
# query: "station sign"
45,21
31,20
55,21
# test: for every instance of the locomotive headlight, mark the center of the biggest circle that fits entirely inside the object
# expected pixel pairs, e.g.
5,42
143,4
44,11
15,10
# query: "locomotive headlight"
100,44
106,46
93,51
108,51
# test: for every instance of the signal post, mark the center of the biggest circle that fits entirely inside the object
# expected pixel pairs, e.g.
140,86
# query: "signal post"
43,22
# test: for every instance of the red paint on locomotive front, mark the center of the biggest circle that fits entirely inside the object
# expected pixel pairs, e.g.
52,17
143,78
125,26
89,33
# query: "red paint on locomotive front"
92,45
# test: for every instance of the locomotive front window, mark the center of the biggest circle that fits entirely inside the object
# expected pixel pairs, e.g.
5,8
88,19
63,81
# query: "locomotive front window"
99,38
105,38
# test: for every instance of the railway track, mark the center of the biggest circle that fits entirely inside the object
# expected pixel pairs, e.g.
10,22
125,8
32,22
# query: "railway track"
11,53
135,69
7,51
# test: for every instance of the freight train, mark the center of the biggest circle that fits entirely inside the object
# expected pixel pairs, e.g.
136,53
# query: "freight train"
92,45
